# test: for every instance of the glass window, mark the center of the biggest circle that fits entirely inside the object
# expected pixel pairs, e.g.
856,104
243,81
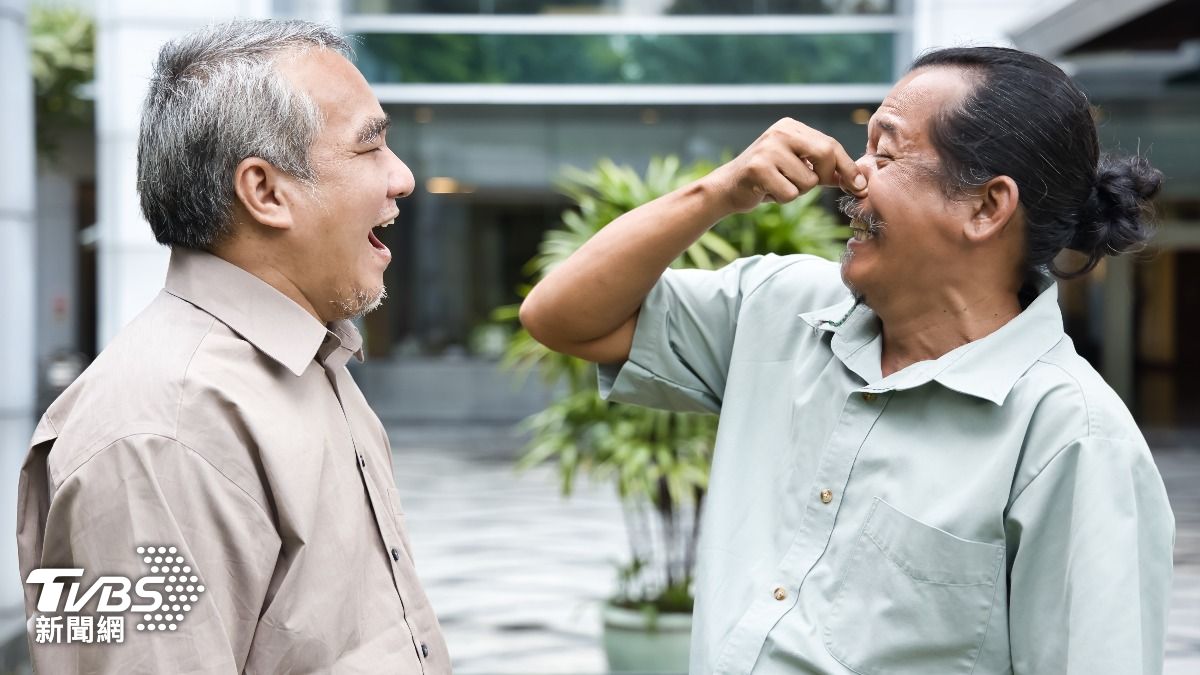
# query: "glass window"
848,58
680,7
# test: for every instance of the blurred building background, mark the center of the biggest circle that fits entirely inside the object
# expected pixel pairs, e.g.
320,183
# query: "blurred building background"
490,98
493,97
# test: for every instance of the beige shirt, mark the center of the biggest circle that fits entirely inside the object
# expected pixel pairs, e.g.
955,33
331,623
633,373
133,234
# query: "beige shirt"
222,423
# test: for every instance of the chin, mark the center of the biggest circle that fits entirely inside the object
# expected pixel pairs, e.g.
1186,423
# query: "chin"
852,276
361,301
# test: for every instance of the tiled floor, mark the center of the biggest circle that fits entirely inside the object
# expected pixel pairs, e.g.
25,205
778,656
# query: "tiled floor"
517,574
1181,473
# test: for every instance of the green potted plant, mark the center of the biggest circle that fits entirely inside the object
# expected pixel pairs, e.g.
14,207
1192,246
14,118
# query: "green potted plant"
658,461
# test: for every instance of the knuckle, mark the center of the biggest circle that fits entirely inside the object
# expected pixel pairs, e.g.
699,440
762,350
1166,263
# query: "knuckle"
756,166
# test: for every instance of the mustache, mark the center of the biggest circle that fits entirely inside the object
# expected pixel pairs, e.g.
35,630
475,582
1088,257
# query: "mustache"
854,209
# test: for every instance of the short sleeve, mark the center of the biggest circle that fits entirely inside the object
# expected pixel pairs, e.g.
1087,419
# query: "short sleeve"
1091,576
685,333
150,491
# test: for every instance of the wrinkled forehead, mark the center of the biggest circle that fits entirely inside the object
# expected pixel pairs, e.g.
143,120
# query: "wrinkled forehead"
339,90
917,99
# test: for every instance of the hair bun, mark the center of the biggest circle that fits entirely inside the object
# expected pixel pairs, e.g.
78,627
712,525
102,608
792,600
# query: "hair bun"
1114,219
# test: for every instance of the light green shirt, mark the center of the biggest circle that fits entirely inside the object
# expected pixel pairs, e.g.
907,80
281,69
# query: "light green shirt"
995,510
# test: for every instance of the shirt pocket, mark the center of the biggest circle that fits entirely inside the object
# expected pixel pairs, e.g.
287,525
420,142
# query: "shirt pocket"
912,599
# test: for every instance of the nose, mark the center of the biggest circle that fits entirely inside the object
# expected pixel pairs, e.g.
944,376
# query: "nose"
401,182
865,165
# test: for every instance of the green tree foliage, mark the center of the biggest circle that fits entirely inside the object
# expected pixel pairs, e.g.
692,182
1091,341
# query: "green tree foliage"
658,461
62,57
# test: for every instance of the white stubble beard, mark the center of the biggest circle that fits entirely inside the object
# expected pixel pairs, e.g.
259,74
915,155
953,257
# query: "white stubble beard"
361,302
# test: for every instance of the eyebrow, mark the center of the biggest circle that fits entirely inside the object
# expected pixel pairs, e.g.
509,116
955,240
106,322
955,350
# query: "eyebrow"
886,126
373,127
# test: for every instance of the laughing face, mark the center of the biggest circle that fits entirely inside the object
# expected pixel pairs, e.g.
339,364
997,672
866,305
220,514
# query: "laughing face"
337,260
907,229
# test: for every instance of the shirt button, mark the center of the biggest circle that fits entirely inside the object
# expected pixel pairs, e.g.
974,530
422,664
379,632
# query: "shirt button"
826,496
396,554
424,650
780,593
362,461
869,396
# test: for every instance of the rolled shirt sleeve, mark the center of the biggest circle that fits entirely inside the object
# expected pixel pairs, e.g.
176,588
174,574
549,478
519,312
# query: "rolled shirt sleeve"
1091,577
685,333
149,490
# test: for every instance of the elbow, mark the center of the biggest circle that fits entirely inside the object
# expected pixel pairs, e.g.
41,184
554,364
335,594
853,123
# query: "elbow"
530,316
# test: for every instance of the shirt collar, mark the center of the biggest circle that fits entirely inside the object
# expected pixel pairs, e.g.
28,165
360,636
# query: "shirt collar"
252,308
987,368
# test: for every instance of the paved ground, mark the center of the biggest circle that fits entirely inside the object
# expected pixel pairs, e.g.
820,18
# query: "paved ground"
516,573
1181,473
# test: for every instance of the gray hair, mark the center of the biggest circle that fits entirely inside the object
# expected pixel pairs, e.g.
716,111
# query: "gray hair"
215,99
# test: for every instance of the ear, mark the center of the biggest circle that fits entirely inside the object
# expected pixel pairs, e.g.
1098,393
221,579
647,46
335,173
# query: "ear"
998,201
264,192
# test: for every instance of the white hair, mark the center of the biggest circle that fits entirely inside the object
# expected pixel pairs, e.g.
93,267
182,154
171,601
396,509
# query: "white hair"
215,99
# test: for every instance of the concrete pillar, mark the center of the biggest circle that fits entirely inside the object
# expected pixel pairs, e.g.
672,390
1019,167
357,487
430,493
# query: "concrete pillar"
958,23
129,33
17,344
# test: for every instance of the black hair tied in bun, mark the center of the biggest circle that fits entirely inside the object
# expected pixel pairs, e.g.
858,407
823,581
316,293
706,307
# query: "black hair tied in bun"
1114,219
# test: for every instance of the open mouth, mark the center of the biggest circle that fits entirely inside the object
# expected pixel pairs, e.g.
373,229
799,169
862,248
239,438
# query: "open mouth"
862,232
864,225
374,240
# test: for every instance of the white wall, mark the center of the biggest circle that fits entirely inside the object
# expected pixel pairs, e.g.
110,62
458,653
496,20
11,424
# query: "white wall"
961,23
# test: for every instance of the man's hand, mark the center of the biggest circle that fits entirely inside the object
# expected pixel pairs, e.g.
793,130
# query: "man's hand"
788,160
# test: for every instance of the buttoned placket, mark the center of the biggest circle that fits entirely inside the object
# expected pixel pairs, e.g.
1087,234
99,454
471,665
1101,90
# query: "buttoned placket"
780,593
332,363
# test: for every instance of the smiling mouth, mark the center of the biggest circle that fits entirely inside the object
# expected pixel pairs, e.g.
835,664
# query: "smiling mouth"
862,232
864,225
375,242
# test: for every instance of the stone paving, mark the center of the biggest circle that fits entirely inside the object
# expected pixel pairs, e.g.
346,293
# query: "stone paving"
1181,473
517,574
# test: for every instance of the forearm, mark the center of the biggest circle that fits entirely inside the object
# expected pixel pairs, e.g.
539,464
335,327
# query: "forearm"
600,287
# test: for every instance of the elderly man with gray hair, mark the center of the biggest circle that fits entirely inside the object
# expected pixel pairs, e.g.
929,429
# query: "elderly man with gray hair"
216,476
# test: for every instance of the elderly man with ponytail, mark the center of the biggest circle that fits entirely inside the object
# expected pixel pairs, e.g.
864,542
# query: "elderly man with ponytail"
915,471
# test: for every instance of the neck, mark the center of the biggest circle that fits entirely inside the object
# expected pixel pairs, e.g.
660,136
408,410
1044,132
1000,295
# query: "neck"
263,267
925,326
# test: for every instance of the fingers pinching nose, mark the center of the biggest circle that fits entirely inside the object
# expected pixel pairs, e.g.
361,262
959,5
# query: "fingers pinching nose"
858,186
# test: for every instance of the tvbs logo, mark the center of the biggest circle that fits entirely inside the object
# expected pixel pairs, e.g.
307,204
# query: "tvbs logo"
162,598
